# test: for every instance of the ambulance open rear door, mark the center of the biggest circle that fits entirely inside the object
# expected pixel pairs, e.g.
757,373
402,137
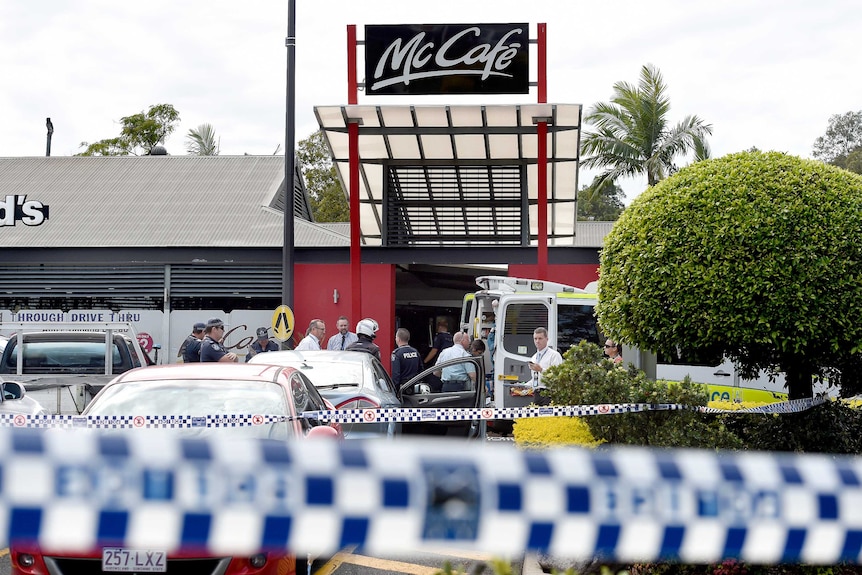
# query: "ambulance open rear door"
518,317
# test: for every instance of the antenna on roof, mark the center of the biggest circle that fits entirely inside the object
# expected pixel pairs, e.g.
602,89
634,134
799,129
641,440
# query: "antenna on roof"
50,127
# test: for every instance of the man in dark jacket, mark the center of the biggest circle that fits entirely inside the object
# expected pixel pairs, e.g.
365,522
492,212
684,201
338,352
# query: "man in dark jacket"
191,348
442,340
406,362
262,345
366,331
212,348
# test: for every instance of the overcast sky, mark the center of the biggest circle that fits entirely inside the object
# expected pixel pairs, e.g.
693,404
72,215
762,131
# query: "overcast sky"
764,73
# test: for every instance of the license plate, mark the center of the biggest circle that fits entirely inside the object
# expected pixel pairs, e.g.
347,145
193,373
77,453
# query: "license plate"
117,559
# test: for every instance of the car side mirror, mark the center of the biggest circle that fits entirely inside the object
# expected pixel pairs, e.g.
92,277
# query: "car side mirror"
12,390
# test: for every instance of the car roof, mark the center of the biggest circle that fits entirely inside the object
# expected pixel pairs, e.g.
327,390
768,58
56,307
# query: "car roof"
324,355
205,370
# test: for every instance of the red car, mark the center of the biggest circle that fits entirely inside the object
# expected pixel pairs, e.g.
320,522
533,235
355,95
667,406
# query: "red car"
198,389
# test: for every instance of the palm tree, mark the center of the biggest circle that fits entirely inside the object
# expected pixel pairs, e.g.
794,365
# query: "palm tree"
633,136
202,141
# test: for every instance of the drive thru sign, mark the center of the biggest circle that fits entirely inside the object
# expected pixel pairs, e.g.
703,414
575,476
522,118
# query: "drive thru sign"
282,323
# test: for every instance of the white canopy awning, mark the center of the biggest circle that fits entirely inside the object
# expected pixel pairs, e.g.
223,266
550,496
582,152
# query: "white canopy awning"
450,175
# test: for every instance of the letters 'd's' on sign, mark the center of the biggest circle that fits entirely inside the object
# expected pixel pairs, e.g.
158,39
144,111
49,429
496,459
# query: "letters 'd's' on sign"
447,59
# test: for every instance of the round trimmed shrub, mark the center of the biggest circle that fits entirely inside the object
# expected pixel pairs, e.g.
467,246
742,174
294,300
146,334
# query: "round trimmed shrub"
753,256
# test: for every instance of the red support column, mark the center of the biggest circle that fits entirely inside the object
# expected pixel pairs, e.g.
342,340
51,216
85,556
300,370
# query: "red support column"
353,171
542,164
355,251
352,85
542,160
542,44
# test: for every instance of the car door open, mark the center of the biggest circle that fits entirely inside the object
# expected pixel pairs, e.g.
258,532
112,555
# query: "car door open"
417,393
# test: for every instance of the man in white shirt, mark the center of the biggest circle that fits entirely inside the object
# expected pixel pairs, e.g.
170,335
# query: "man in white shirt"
344,337
544,357
313,336
456,377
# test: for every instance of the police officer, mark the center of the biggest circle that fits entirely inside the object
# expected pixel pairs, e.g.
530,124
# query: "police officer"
406,362
211,346
191,348
366,331
262,345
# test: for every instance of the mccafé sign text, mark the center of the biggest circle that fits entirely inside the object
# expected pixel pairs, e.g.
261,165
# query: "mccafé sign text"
447,59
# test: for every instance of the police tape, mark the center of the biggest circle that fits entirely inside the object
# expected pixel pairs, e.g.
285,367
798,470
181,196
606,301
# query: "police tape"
381,415
157,492
406,415
137,421
442,414
791,406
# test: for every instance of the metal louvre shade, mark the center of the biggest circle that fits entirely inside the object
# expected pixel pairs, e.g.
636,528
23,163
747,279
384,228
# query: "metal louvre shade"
82,281
215,280
455,204
54,287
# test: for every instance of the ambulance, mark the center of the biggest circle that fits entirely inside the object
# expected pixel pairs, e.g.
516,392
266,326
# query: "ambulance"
505,311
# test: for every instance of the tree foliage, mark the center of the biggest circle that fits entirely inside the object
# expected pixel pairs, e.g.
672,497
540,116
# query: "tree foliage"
326,196
202,141
841,145
139,134
601,201
633,133
853,162
754,256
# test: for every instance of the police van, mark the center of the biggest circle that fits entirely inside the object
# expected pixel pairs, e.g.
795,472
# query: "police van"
505,311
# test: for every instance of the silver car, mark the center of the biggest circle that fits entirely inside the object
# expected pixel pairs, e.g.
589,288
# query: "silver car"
14,400
348,379
356,380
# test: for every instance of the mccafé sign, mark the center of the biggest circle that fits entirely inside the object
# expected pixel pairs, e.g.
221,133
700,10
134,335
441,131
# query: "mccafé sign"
447,59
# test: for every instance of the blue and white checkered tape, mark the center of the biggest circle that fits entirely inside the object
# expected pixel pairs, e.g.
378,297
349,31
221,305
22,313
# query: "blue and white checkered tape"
382,415
394,414
80,489
137,421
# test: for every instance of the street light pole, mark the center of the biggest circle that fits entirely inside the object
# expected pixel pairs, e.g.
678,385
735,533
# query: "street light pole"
289,158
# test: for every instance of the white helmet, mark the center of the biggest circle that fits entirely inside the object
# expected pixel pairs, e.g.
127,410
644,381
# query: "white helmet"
368,327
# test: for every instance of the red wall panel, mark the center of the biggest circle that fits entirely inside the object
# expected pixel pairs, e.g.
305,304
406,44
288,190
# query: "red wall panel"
313,294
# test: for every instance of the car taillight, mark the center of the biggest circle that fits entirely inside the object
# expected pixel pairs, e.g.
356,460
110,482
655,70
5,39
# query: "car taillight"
360,402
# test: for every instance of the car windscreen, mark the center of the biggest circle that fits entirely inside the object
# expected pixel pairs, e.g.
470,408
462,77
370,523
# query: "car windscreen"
199,398
326,374
87,356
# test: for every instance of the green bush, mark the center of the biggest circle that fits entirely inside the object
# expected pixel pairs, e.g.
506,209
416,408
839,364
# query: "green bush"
554,431
587,378
833,427
753,256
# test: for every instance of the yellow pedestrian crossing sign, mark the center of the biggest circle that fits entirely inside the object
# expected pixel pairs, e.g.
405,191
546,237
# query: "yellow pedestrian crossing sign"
282,323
